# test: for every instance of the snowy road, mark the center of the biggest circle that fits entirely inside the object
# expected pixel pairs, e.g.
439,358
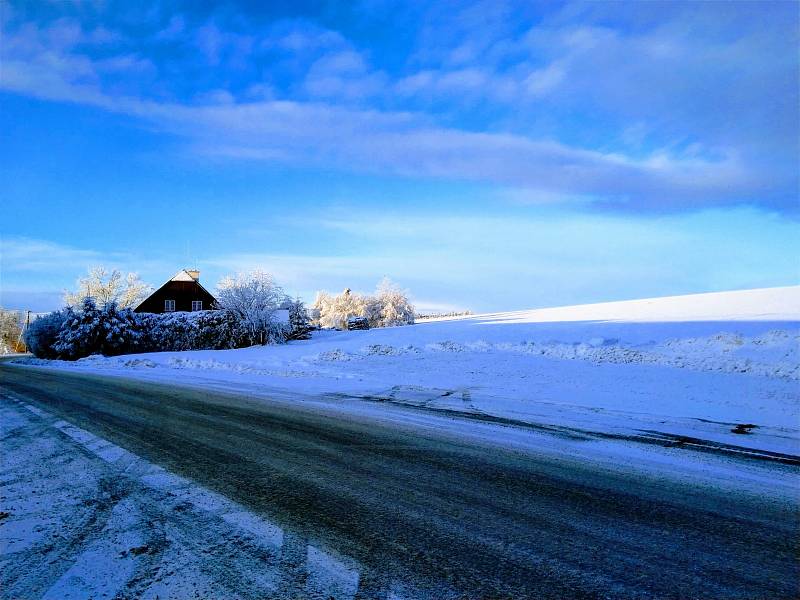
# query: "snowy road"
421,506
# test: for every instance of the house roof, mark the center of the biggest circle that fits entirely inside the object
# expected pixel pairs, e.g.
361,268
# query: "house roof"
182,275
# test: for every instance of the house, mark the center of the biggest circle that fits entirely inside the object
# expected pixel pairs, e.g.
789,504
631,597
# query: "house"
181,293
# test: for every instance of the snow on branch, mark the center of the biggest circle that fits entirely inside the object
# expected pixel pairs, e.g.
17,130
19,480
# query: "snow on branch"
109,286
388,307
255,299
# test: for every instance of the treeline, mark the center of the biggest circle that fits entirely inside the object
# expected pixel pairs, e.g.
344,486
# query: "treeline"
442,315
73,333
251,309
387,307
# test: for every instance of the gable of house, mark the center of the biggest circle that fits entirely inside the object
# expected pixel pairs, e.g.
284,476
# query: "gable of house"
183,292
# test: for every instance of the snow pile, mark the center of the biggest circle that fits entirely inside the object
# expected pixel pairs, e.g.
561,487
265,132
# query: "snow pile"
773,354
214,365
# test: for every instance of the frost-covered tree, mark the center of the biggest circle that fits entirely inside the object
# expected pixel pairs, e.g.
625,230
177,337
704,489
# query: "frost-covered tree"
9,331
395,309
336,310
319,306
373,311
107,286
133,292
389,307
254,299
299,321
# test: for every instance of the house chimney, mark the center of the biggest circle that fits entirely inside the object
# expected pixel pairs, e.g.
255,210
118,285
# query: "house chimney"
194,274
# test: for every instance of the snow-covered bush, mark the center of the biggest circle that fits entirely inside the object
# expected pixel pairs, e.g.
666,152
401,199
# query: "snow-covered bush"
168,331
42,334
80,331
354,323
219,330
72,333
91,330
200,330
254,299
387,308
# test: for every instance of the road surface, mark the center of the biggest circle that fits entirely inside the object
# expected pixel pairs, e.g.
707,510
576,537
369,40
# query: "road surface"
451,518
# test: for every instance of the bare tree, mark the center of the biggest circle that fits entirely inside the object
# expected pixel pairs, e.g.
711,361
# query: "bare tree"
107,286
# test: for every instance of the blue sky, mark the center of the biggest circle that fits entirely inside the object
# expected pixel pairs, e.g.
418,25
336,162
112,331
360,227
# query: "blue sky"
490,155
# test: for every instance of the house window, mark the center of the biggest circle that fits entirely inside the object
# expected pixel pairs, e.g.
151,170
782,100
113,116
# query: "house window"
169,305
197,305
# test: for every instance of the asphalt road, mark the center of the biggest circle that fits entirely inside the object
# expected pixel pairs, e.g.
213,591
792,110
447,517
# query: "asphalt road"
450,517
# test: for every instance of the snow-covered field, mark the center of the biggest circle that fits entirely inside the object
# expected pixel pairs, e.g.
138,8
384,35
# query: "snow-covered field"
687,365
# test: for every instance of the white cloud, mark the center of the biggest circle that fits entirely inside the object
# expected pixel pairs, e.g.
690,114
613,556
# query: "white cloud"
45,62
482,262
476,261
542,81
34,272
26,254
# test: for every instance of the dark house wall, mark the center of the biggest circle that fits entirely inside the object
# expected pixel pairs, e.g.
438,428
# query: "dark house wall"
183,292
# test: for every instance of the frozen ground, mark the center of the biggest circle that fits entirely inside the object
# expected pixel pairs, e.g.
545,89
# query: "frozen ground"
694,366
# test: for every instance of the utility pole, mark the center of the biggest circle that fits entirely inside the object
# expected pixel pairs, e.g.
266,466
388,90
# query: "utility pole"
20,341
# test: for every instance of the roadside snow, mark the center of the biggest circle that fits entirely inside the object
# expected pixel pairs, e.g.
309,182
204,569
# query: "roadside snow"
81,517
689,365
